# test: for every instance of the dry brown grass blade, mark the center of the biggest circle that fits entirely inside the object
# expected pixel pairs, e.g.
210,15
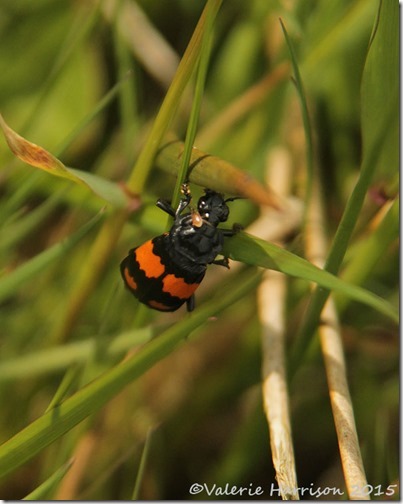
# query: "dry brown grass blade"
271,302
146,42
332,349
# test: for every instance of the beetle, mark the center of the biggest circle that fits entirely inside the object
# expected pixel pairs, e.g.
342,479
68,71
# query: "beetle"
164,272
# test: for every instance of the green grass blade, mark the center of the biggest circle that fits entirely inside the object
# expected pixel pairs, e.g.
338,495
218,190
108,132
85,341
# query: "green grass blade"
195,111
14,280
50,426
256,252
168,108
105,189
374,146
60,358
99,107
38,157
14,232
128,106
373,247
305,118
78,32
142,467
381,73
66,385
337,37
44,491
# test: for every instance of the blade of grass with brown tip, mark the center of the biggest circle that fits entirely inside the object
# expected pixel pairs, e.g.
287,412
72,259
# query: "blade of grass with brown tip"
39,157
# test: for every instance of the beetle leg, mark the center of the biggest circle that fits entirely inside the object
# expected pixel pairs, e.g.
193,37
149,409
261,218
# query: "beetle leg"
222,262
191,303
166,207
184,202
231,232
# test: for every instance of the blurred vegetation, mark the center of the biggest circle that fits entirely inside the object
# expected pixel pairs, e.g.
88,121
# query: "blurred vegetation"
200,408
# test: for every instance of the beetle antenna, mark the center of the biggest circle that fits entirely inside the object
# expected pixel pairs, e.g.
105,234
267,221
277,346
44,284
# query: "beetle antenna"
234,198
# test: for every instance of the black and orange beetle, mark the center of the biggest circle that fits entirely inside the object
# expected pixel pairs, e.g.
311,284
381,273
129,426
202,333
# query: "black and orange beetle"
165,271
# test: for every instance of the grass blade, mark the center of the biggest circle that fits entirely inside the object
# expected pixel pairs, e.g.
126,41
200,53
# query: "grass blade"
256,252
383,127
195,112
186,67
50,426
43,491
305,117
141,469
215,173
11,282
37,156
59,358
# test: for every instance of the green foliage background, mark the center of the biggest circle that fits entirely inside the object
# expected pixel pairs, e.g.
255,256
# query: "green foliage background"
188,399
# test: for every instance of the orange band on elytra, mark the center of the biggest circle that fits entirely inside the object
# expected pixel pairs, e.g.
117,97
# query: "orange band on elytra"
178,287
159,306
148,261
129,279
